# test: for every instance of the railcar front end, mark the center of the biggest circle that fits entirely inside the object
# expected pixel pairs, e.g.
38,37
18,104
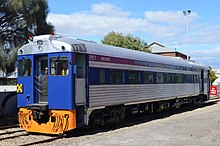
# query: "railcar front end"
46,91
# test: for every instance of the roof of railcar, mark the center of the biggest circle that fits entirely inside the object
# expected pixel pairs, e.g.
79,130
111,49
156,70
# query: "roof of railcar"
105,50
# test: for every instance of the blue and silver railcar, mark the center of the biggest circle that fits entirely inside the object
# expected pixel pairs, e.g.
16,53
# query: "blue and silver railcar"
65,83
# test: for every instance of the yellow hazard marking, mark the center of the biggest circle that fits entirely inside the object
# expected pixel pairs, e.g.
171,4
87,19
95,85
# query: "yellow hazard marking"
19,88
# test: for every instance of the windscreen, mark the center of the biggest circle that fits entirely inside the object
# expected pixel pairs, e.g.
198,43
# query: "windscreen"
59,66
24,67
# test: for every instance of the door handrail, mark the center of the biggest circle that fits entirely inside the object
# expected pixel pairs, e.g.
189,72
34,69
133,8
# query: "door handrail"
40,90
41,84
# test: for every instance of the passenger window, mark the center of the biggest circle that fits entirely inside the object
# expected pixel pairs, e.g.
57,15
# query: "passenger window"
25,67
191,78
159,78
102,76
148,77
80,63
116,77
170,78
59,66
133,77
195,78
179,78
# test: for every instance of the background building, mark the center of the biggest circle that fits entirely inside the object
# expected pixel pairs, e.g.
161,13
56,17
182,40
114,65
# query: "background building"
159,49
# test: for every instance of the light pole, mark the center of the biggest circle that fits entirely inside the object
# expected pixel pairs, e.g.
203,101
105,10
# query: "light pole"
187,13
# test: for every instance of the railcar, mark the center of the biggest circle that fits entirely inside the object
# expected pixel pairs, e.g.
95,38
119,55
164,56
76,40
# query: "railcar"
66,83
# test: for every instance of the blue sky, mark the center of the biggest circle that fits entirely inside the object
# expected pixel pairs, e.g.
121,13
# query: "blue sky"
152,20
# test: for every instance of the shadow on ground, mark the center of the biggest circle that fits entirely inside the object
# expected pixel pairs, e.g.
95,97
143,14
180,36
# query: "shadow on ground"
135,120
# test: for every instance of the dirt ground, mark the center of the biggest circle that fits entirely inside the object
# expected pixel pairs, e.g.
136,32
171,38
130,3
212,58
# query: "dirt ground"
199,127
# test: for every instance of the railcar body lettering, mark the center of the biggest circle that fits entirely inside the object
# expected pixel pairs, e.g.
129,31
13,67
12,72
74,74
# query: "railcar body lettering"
92,57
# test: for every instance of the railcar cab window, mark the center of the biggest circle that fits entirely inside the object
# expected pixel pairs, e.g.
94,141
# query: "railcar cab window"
133,77
148,77
24,67
116,76
59,66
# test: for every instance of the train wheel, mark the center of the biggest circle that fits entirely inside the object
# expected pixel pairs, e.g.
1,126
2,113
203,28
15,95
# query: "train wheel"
96,119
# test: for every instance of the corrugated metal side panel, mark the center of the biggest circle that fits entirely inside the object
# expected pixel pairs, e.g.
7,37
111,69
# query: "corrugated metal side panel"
101,95
205,88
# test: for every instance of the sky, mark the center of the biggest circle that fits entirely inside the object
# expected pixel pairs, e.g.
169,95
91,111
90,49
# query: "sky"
161,21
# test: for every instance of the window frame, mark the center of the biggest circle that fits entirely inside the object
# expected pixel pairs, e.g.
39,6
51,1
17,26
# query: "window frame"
58,67
159,75
122,81
179,80
152,79
170,78
137,80
102,70
26,72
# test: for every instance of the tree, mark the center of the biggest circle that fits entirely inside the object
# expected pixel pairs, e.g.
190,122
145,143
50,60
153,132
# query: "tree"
213,77
35,13
8,60
127,41
18,19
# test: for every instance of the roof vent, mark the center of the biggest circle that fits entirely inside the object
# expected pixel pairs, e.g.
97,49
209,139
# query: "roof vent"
79,48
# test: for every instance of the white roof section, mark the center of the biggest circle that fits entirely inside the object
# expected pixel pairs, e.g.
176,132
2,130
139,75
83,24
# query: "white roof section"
48,43
157,48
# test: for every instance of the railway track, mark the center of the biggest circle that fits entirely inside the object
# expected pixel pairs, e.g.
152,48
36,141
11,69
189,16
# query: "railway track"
18,137
42,141
10,132
10,126
138,119
22,138
13,135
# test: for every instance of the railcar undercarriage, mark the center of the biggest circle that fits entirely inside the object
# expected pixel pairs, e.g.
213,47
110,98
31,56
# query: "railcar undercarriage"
114,114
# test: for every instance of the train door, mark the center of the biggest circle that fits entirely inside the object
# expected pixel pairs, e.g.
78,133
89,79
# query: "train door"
41,79
60,81
80,88
201,84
